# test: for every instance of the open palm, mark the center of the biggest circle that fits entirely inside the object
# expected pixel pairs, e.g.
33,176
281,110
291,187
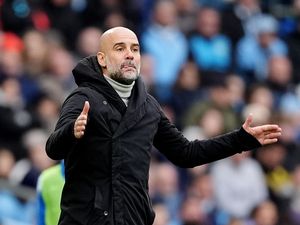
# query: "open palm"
265,134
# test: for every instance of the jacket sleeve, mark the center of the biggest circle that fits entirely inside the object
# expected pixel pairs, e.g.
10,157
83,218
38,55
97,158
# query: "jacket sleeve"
184,153
62,140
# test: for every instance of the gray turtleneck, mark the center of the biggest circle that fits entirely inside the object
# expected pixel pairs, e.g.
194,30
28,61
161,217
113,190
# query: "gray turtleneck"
123,90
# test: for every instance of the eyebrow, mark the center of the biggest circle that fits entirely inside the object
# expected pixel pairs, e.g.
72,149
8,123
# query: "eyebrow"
123,43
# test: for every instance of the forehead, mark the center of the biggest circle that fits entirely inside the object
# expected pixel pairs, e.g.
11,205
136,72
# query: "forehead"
125,37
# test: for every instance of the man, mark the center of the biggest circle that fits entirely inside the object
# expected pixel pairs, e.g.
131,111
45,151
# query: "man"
106,131
49,188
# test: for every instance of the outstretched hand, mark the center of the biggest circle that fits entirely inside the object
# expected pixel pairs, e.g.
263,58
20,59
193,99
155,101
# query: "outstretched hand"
265,134
81,121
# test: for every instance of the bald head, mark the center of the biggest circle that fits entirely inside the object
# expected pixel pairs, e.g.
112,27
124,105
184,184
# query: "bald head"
116,32
119,54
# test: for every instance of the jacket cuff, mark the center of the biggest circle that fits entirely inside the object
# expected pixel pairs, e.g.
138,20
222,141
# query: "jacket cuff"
247,141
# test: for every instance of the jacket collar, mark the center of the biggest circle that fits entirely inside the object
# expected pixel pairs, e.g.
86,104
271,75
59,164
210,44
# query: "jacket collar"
88,73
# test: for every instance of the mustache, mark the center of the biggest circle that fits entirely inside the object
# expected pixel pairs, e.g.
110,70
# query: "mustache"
128,63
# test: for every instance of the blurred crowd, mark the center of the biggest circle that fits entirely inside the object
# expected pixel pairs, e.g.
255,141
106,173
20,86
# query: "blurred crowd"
208,62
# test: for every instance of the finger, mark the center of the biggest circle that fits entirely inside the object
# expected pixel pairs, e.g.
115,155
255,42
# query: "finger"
248,121
86,108
79,128
273,135
80,122
79,134
271,128
82,117
270,141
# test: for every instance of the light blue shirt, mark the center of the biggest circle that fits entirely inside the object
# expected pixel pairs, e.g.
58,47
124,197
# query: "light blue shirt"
169,49
211,53
252,57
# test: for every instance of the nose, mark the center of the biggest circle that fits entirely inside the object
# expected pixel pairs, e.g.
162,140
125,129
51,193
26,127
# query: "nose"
129,54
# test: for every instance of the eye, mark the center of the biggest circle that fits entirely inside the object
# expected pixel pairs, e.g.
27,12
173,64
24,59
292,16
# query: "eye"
119,49
136,49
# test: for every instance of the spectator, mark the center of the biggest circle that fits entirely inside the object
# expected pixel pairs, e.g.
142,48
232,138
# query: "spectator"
254,50
260,94
14,209
209,48
35,52
12,66
294,208
187,11
46,112
147,71
278,178
262,113
293,41
27,170
186,90
239,185
14,117
97,13
235,18
201,187
237,90
162,215
192,213
279,78
49,189
63,19
163,40
88,41
212,122
167,189
290,139
7,162
218,99
57,82
266,214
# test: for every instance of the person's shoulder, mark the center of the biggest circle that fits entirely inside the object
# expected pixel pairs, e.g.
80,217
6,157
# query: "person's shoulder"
51,171
81,90
153,102
49,175
151,99
85,91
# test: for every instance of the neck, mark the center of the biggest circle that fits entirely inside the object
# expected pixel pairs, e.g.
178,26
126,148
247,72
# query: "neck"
123,90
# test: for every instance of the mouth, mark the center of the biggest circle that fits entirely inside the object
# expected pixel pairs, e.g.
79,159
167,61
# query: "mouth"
128,67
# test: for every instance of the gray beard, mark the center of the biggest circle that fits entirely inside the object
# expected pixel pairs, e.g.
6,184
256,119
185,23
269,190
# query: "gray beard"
118,76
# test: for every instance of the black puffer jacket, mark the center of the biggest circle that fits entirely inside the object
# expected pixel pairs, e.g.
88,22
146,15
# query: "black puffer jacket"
107,170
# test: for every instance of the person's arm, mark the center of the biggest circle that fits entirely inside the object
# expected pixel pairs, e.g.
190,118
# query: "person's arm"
66,134
184,153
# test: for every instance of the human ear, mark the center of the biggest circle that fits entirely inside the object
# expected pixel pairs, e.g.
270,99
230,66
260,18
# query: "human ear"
101,59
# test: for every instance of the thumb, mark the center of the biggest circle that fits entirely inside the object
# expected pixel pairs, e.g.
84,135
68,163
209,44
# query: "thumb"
86,108
248,121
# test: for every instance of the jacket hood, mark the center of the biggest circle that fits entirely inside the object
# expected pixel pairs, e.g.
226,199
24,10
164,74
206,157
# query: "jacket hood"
88,73
88,70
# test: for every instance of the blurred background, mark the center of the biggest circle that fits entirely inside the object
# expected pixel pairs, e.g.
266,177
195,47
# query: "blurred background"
208,62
